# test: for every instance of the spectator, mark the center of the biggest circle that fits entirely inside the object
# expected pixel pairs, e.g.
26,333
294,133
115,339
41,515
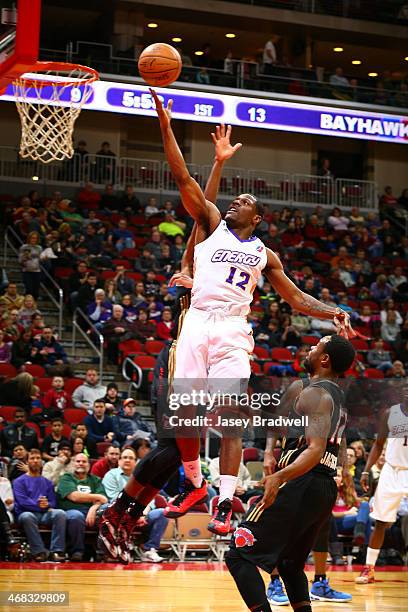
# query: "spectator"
132,425
338,222
242,490
18,391
129,202
60,465
172,227
112,399
18,464
80,494
166,325
100,426
18,432
397,278
88,198
269,56
106,463
202,76
121,237
105,168
397,370
109,201
35,505
377,357
5,349
290,336
147,261
380,290
123,283
10,326
151,208
114,482
29,258
154,244
388,199
338,79
86,293
116,330
27,310
143,329
85,395
11,298
56,399
390,329
129,310
100,310
52,441
7,497
139,299
50,354
386,307
77,280
359,464
403,199
90,448
324,170
300,322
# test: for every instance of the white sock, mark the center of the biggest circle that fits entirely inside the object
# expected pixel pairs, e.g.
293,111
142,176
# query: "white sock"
372,555
228,484
192,470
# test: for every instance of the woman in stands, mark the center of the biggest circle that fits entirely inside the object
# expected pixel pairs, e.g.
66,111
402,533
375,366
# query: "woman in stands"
29,258
27,311
5,349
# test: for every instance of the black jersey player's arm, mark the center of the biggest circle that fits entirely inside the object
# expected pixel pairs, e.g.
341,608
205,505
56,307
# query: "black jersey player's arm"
317,405
272,434
376,448
296,298
204,212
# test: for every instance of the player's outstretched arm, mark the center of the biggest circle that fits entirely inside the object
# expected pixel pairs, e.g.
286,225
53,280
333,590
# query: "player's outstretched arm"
299,300
202,211
224,150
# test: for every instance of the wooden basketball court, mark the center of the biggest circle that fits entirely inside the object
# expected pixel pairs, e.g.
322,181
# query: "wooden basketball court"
171,587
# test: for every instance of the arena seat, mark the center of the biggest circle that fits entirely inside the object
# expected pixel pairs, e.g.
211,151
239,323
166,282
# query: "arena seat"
373,373
8,413
7,370
360,345
261,353
282,354
35,370
70,384
153,347
310,340
255,368
255,468
130,347
130,253
122,262
268,364
250,454
75,415
35,427
44,384
102,447
146,362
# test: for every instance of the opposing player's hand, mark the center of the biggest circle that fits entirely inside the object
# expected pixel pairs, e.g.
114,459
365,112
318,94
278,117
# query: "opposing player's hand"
164,114
181,280
269,463
223,148
343,326
271,484
365,482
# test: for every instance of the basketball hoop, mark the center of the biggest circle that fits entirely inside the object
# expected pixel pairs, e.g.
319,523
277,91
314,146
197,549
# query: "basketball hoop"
49,100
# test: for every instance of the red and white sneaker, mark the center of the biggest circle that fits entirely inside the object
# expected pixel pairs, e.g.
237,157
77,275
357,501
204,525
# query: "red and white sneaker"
182,503
115,529
221,521
367,575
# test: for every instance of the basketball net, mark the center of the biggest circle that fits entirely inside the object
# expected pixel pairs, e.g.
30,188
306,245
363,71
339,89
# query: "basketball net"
49,101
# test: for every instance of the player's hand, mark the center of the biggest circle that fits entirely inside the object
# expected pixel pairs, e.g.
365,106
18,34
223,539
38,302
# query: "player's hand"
271,484
164,114
365,482
223,148
269,463
342,322
181,280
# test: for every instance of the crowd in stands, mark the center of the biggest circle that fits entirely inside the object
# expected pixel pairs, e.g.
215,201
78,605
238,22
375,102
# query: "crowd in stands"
114,256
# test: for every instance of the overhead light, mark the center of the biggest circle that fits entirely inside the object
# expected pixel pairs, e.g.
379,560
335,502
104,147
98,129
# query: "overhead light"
198,52
338,49
230,35
356,62
373,74
152,25
406,59
35,178
176,39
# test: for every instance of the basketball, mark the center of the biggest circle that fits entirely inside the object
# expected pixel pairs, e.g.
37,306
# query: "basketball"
160,64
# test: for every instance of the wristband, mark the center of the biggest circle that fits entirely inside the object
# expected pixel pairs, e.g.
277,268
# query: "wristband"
368,473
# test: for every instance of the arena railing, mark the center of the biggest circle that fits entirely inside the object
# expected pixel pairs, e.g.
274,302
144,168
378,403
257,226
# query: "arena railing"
78,320
155,176
13,242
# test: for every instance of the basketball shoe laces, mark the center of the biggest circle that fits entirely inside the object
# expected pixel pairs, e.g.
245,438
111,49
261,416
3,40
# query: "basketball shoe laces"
223,511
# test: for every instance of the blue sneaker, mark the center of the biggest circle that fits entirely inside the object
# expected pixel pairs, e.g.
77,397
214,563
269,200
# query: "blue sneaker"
275,593
322,591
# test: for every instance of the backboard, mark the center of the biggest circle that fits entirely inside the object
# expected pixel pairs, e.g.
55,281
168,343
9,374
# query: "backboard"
19,38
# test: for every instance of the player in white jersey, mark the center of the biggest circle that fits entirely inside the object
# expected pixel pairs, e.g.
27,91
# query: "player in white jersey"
216,339
393,482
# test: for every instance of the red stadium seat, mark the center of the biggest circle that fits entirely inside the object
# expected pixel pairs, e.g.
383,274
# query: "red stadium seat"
146,362
373,373
255,368
44,384
107,274
122,262
8,413
282,354
359,344
130,253
250,454
7,370
71,384
153,347
35,427
136,276
62,273
74,415
66,430
130,347
237,505
261,353
267,365
310,340
36,370
102,447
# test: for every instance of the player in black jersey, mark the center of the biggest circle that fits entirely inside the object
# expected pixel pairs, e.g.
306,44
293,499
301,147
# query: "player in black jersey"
279,531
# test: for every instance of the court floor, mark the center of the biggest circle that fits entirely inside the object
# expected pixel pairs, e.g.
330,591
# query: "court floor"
171,587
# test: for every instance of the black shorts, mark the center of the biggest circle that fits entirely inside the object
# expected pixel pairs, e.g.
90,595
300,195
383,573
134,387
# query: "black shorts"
288,528
159,465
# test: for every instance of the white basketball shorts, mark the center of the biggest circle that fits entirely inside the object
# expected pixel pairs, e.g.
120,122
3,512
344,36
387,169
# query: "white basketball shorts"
392,486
